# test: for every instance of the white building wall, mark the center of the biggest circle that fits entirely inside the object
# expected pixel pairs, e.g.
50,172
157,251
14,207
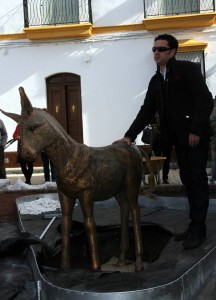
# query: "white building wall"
105,13
116,12
11,16
112,84
115,69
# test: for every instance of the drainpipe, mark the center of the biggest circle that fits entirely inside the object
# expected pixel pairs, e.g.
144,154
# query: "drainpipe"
144,9
90,12
25,10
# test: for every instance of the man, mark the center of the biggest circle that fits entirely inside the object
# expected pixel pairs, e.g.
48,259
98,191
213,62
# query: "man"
213,146
179,93
3,141
26,166
48,165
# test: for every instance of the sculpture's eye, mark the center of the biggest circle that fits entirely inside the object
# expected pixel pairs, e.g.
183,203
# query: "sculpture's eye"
32,128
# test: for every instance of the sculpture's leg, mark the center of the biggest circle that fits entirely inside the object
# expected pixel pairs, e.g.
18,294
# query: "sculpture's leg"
87,206
135,214
67,205
124,213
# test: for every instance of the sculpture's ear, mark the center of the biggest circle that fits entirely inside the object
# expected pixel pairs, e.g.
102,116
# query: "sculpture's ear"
15,117
25,102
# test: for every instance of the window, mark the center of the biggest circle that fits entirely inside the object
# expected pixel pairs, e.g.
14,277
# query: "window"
59,12
154,8
176,7
196,56
56,12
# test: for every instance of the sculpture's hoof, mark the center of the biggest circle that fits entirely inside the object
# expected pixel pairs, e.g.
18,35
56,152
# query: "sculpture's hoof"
96,268
139,265
121,263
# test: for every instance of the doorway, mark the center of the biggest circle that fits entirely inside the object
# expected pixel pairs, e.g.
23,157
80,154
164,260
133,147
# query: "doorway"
64,103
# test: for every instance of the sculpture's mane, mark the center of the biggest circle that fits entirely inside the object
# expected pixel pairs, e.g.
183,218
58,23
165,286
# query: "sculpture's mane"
55,127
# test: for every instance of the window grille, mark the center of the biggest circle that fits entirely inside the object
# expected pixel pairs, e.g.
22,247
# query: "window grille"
56,12
59,12
195,56
177,7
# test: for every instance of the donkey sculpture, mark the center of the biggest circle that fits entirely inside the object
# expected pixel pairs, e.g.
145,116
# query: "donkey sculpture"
85,173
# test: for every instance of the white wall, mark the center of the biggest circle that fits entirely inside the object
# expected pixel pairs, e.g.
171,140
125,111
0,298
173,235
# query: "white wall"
116,12
114,77
210,64
112,85
11,16
105,13
115,69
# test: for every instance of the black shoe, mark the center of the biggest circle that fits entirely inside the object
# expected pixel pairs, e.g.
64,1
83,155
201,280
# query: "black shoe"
182,236
193,241
28,182
165,181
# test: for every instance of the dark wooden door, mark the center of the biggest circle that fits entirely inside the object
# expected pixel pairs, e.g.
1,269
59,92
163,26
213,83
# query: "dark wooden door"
64,103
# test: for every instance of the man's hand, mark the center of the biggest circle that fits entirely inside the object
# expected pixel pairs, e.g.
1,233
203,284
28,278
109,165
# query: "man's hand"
124,140
193,139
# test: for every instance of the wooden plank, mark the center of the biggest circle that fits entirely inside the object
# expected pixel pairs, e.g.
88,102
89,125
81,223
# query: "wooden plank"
156,163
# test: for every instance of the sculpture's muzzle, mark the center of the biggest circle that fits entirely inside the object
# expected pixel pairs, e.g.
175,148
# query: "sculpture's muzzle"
28,155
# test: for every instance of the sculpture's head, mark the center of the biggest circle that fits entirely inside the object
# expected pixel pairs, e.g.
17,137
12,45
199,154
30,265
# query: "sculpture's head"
35,132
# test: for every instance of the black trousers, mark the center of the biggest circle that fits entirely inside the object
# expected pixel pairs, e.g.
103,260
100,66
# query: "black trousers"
27,169
2,165
47,167
192,163
166,165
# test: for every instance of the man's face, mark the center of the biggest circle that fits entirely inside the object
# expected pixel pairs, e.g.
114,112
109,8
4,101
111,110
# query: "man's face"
161,58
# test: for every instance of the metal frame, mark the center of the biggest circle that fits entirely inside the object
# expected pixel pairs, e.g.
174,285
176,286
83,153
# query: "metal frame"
33,14
159,8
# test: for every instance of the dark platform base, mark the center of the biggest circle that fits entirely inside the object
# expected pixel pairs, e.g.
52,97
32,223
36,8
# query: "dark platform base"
169,273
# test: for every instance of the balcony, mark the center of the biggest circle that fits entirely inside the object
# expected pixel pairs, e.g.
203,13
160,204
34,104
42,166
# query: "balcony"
48,19
178,14
161,8
56,12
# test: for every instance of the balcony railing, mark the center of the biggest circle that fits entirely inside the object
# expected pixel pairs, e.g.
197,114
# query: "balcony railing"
56,12
160,8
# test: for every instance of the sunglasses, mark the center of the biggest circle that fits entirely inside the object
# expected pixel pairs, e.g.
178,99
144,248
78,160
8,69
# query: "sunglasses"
160,49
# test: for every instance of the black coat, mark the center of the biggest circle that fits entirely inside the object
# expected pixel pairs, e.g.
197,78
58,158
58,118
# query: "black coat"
183,102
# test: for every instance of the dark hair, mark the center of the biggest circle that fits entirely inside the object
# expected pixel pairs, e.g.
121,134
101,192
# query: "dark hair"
172,41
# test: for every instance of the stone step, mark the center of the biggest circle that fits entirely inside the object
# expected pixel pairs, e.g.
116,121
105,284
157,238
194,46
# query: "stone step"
19,171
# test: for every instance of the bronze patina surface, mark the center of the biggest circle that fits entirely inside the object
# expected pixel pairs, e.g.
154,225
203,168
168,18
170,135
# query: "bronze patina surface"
85,173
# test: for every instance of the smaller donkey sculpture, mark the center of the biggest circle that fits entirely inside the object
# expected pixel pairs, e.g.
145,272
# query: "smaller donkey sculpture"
88,174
